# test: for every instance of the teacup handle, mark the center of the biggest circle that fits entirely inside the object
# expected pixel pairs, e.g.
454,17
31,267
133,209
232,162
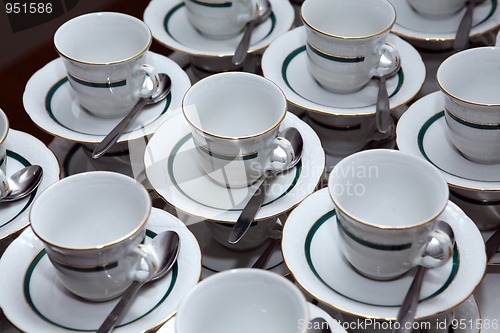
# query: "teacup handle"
155,79
288,156
446,248
151,261
392,54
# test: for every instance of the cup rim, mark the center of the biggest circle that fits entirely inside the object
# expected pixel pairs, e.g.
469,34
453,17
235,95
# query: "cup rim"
116,14
53,188
416,160
460,55
217,278
387,29
252,76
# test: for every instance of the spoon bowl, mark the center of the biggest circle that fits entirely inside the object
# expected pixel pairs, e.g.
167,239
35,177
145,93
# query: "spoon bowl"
252,207
23,183
159,95
166,247
385,70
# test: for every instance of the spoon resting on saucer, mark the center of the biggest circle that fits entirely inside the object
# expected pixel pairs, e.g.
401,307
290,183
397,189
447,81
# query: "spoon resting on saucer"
166,247
252,207
385,70
462,37
23,183
112,137
406,314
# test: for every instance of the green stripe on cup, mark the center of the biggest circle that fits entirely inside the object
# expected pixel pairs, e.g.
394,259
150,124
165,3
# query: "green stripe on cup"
225,157
212,4
345,59
375,246
92,84
471,124
93,269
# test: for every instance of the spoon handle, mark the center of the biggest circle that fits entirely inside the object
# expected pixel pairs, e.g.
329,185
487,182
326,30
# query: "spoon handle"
492,244
248,214
406,314
116,132
383,112
462,36
120,308
242,49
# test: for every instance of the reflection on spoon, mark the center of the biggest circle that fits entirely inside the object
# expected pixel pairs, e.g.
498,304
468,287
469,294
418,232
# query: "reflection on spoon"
23,183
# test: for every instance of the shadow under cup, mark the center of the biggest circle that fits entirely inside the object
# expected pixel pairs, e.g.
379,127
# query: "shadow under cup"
386,203
235,119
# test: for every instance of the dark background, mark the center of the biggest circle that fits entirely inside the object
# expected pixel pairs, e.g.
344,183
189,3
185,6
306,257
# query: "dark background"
26,46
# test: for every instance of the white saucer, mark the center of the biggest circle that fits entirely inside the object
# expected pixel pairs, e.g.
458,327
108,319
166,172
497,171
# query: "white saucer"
438,33
24,150
285,63
171,168
169,24
314,312
422,131
313,256
49,101
216,258
34,301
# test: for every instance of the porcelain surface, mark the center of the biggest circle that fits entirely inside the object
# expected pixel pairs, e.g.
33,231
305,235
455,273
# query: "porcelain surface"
182,183
34,300
169,24
24,150
50,103
314,258
285,63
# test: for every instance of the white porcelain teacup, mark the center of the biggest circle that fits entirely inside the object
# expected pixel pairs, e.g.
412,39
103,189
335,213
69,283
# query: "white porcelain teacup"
243,300
93,226
345,40
220,19
235,119
437,8
105,55
387,202
469,83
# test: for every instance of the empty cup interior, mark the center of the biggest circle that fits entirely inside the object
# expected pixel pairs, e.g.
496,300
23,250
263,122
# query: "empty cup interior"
388,189
234,105
89,210
472,76
336,17
102,38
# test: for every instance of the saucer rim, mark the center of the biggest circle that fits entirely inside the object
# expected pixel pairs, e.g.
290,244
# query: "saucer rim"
36,110
226,216
417,115
164,221
383,313
164,6
51,172
296,37
449,37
